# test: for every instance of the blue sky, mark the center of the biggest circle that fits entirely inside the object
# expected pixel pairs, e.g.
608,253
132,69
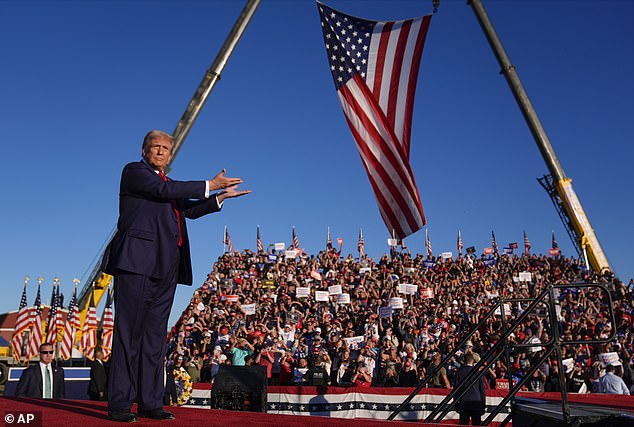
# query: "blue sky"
82,82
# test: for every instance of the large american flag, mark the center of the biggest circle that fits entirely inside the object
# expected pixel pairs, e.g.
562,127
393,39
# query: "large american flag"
107,327
21,325
295,240
227,241
527,244
428,244
51,334
375,67
361,244
259,242
459,243
36,327
89,331
73,323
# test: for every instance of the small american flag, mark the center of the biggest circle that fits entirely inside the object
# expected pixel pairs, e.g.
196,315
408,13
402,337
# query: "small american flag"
295,244
513,245
428,244
494,243
21,325
375,67
554,243
527,244
227,241
107,327
51,333
73,323
259,243
36,327
459,244
89,330
328,240
361,244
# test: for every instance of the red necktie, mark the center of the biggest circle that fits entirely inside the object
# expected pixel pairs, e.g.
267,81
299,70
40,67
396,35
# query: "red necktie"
176,211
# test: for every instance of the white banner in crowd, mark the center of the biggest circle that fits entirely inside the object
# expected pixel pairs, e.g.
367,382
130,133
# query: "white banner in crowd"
232,298
396,302
334,289
426,293
569,364
525,276
280,246
407,289
365,270
290,254
248,309
392,242
611,358
315,275
303,292
446,255
354,343
321,295
343,299
507,313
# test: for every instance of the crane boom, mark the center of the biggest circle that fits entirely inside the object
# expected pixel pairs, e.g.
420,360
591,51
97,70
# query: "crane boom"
99,280
571,205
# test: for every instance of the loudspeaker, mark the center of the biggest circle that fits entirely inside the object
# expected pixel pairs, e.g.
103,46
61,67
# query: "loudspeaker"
240,388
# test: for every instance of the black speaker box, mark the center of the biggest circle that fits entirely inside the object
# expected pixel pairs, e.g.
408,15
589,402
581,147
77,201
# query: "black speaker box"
240,388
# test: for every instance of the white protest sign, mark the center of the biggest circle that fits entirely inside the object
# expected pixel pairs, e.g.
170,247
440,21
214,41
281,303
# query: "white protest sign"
290,254
569,364
446,255
354,342
303,292
407,289
611,358
426,293
365,270
392,242
525,276
321,295
334,289
343,299
396,302
507,310
280,246
385,311
248,309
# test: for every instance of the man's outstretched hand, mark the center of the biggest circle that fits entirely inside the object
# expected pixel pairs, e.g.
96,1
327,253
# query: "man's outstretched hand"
220,182
231,192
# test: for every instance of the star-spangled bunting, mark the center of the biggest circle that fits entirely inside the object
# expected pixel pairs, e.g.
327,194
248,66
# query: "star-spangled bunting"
375,67
21,325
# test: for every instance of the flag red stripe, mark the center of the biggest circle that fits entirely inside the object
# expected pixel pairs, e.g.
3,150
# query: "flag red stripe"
396,74
380,59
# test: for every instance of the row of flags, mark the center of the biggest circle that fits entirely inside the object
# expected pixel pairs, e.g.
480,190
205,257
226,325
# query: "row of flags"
493,249
29,332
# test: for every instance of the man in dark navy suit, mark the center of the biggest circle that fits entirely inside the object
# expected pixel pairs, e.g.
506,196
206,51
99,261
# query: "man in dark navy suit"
148,256
42,379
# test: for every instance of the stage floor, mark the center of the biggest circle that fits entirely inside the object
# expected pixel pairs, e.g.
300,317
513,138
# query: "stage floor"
88,413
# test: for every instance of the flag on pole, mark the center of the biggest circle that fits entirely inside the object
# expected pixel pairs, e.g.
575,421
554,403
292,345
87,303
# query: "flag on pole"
428,244
259,242
89,330
361,244
21,325
494,243
73,323
51,331
527,244
375,67
554,243
36,326
107,327
295,243
328,240
227,241
459,244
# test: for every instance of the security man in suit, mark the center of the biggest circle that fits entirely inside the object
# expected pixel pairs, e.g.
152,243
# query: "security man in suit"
42,379
97,388
148,256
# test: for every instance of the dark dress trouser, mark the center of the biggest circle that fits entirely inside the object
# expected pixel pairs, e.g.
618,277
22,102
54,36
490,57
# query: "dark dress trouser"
142,309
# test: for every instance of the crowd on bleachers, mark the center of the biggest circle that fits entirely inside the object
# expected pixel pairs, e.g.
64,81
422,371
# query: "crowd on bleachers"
255,309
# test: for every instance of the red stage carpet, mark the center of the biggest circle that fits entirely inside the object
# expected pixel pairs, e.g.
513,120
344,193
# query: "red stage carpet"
88,414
